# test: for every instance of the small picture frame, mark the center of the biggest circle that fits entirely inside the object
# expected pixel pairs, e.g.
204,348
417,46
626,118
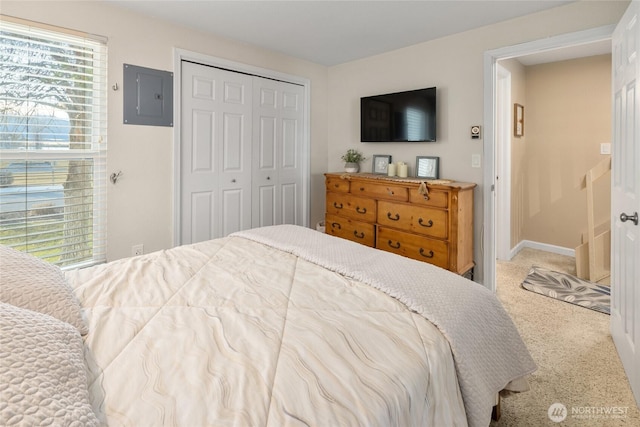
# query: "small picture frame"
381,163
518,120
427,167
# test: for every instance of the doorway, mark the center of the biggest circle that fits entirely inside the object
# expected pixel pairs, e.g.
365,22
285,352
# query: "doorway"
492,168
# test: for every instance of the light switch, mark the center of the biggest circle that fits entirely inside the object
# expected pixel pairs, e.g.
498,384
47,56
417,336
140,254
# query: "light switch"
605,148
475,161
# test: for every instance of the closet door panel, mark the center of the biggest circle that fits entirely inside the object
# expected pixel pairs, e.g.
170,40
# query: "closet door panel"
202,153
232,143
233,209
266,148
202,215
290,157
266,205
215,152
290,203
279,103
289,144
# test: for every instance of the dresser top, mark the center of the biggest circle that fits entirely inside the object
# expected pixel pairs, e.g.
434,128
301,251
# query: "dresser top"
445,183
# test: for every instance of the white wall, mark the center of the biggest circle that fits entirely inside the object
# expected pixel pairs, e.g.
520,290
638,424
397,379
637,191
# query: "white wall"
140,206
455,65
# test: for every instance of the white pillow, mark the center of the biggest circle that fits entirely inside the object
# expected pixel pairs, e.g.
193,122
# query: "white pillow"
29,282
43,380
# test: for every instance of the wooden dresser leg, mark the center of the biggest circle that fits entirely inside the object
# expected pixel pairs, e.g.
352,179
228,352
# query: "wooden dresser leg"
495,414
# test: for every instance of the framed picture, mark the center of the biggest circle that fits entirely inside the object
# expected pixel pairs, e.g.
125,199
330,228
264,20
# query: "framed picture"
518,120
381,163
427,167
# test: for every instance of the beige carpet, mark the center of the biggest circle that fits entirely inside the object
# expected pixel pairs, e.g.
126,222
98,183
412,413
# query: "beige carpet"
577,362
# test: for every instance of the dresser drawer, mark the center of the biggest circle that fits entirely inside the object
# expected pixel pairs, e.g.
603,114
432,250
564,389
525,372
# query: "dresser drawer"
434,198
358,208
435,252
427,221
349,229
337,184
381,190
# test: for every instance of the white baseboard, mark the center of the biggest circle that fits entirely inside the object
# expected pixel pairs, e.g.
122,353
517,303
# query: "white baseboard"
542,247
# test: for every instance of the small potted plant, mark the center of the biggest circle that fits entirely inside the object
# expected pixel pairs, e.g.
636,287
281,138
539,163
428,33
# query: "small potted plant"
352,159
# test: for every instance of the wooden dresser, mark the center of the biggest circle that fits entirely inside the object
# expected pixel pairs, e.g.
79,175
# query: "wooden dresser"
430,222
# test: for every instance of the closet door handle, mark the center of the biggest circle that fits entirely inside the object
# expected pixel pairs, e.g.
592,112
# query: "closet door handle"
428,224
396,217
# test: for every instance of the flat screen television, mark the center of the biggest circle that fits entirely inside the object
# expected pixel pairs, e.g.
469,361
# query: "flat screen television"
408,116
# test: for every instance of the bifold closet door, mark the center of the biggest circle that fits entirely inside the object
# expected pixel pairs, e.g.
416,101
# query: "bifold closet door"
215,152
277,152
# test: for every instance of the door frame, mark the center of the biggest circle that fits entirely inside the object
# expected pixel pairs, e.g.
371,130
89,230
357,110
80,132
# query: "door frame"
491,58
182,54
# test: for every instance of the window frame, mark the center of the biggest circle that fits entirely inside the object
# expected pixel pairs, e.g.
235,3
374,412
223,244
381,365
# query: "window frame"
94,140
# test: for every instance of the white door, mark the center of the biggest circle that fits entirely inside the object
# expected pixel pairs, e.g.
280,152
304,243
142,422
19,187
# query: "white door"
503,170
215,152
277,153
625,195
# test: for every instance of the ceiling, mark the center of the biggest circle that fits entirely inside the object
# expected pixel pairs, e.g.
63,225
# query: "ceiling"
334,32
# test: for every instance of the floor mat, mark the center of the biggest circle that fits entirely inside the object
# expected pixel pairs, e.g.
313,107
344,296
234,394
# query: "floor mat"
568,288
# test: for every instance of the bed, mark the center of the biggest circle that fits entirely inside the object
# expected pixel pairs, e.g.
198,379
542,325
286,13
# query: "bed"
275,326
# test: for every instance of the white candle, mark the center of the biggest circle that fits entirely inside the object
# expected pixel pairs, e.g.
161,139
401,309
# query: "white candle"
391,169
402,171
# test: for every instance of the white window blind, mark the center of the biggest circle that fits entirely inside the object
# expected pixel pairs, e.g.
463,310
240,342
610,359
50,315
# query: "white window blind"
53,122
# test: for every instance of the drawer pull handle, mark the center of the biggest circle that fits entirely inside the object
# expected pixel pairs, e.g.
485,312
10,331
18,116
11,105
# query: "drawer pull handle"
358,235
361,211
335,205
336,225
396,246
429,255
391,193
361,188
428,224
395,218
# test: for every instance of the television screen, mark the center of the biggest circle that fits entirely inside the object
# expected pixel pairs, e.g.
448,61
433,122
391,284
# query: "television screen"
399,117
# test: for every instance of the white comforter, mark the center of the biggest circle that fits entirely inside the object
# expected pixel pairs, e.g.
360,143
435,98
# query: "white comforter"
233,332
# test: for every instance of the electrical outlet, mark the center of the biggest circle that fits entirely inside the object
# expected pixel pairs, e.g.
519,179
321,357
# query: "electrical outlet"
137,250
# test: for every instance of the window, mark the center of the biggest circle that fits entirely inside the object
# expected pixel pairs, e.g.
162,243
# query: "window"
52,143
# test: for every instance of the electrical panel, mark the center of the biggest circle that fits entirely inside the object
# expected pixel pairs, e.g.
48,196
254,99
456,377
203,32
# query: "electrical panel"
148,96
